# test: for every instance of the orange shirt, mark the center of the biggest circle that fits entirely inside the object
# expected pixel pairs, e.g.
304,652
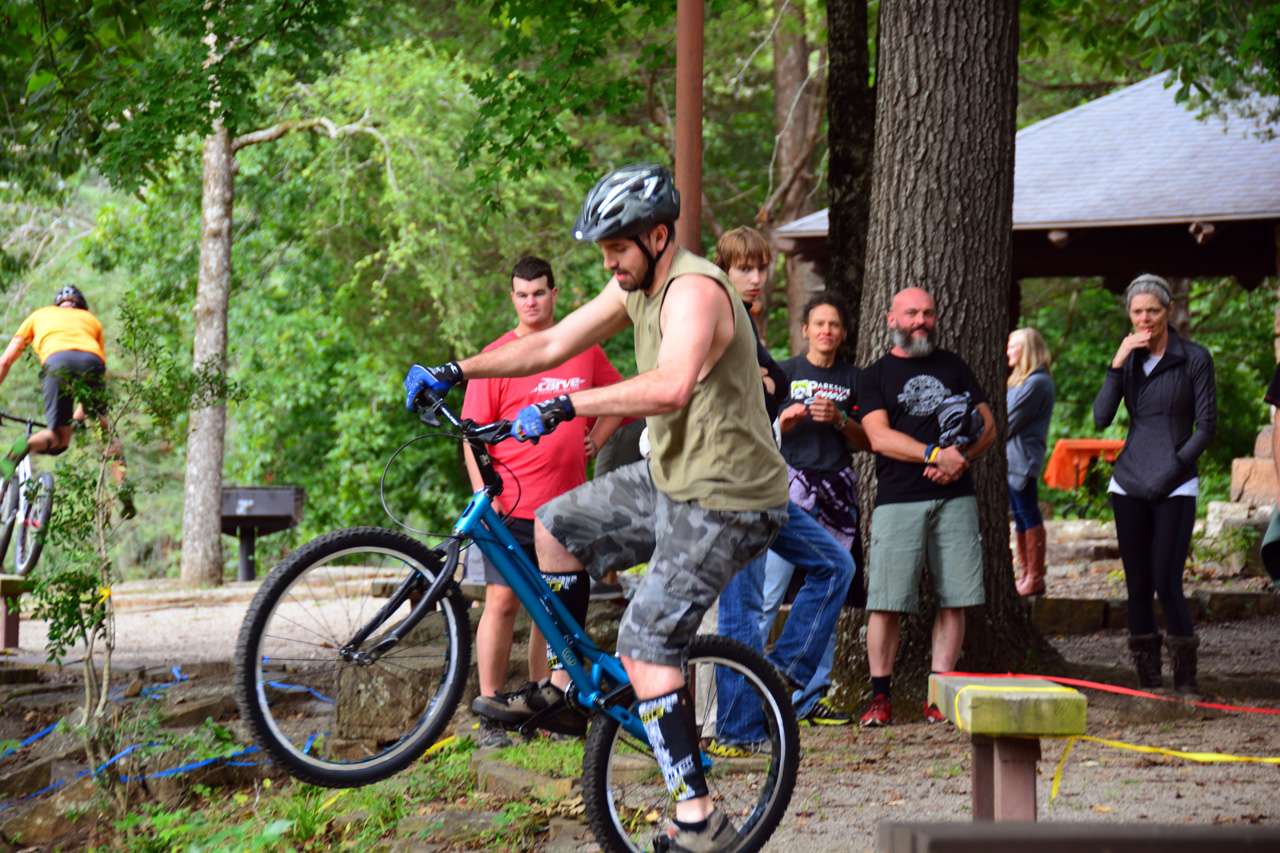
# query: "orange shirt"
52,329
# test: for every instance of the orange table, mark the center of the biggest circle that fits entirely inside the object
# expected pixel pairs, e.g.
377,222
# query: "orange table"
1071,457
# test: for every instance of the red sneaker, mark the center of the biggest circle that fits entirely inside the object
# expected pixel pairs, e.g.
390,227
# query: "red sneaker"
879,713
932,714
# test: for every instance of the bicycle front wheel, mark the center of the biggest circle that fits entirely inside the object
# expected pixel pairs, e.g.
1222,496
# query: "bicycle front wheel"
8,513
624,795
33,526
322,701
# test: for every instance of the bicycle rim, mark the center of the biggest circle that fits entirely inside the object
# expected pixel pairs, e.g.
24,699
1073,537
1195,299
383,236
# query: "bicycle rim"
626,799
328,716
31,527
8,514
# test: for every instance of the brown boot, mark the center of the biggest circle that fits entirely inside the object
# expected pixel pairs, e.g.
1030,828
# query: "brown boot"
1145,649
1033,581
1020,566
1182,660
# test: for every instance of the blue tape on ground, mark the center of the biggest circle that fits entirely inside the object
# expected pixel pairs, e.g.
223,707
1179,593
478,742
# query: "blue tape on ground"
279,685
35,737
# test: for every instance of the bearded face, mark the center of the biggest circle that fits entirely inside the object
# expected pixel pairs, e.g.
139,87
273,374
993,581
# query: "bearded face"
916,343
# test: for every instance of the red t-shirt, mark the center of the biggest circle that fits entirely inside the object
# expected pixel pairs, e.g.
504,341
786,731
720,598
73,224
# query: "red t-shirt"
558,462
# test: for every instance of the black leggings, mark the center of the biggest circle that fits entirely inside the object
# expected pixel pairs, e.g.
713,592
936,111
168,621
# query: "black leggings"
1155,538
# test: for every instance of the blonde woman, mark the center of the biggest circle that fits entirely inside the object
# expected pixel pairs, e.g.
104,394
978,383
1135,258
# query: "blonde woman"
1030,403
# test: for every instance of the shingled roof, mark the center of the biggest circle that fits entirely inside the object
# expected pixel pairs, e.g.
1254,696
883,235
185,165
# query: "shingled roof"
1136,157
1127,183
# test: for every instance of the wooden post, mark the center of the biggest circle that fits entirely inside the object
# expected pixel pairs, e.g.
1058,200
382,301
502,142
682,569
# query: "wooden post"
689,123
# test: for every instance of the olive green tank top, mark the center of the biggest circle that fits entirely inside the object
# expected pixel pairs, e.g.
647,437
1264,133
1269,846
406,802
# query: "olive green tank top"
718,450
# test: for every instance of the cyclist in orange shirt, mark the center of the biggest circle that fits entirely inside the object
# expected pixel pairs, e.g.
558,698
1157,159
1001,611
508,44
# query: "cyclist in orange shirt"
68,341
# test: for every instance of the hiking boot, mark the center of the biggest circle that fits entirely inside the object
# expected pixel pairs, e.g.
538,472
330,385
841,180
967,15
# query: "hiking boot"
730,749
1145,650
718,835
1182,658
826,714
516,709
932,714
879,713
492,735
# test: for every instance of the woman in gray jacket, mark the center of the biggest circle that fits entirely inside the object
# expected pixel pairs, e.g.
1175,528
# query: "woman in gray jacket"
1167,386
1030,403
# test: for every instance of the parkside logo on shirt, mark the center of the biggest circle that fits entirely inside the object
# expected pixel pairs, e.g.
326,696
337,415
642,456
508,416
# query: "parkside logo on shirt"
808,389
551,386
922,395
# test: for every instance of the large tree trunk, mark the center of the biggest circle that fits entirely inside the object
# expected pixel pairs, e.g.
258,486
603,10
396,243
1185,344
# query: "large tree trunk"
202,499
796,100
851,112
941,219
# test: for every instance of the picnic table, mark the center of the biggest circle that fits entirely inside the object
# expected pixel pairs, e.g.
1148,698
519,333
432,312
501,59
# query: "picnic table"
1071,457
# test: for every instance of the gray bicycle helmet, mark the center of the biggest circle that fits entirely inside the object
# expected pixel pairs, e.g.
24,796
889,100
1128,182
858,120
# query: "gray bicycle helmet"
626,202
73,294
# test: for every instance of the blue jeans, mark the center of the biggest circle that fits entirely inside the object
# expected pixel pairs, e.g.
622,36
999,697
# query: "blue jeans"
1025,505
777,577
802,649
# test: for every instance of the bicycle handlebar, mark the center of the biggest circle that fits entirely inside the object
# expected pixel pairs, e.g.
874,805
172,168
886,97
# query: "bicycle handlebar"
31,422
430,406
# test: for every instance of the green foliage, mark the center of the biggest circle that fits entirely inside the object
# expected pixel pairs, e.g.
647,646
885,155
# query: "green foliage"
559,760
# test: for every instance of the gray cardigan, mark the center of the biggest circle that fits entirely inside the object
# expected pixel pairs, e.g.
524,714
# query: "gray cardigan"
1173,415
1030,406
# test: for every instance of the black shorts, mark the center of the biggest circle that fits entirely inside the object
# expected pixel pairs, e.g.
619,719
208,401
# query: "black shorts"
478,566
72,375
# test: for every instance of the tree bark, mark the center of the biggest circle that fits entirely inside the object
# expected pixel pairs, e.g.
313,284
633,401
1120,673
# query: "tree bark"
851,112
941,219
796,95
202,499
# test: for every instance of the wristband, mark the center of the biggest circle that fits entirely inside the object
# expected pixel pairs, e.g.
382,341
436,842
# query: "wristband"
931,454
844,418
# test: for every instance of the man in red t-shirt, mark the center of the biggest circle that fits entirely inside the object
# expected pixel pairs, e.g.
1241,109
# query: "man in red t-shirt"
534,474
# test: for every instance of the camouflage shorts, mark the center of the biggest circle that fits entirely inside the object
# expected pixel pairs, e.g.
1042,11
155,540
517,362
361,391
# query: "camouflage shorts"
620,520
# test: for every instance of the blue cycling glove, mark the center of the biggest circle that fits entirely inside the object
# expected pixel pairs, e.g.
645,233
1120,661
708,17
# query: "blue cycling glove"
541,418
439,379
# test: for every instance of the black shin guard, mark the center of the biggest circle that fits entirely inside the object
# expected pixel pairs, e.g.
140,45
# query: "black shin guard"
673,733
574,592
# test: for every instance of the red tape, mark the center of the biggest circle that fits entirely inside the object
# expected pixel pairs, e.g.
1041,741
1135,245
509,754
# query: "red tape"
1111,688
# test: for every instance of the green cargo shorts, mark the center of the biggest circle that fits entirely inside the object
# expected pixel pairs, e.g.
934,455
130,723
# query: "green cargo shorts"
906,535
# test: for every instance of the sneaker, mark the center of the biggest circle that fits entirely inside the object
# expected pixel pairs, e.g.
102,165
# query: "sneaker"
492,735
730,749
515,709
879,713
826,714
932,714
718,835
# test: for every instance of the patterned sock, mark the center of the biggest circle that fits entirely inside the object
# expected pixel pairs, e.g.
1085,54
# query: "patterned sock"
574,592
673,734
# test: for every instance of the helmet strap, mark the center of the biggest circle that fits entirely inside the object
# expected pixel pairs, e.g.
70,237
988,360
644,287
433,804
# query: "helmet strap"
647,282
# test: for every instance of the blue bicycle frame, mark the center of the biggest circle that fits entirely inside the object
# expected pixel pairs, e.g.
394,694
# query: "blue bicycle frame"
568,640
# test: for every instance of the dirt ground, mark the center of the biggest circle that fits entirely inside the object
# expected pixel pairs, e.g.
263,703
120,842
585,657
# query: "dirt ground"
852,780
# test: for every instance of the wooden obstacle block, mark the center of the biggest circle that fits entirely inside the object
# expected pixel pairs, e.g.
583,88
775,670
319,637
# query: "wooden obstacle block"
1005,718
11,587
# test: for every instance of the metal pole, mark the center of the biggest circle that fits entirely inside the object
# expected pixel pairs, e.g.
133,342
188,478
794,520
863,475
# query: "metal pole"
247,570
689,123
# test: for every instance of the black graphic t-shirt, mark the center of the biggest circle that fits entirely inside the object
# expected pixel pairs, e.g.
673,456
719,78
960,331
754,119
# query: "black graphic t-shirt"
811,446
909,390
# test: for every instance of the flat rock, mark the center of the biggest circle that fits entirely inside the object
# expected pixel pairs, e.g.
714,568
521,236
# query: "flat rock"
505,780
448,825
46,821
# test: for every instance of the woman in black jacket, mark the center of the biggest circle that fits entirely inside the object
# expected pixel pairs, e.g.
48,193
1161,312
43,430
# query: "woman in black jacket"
1168,389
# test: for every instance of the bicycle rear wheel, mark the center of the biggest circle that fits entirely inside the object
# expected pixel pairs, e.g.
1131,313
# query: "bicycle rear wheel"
325,708
624,795
34,524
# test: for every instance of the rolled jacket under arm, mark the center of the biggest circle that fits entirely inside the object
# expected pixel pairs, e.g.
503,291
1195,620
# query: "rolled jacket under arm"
1173,416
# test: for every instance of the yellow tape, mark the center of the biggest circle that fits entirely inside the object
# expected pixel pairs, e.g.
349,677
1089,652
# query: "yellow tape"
1057,774
1202,757
441,745
334,798
993,688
